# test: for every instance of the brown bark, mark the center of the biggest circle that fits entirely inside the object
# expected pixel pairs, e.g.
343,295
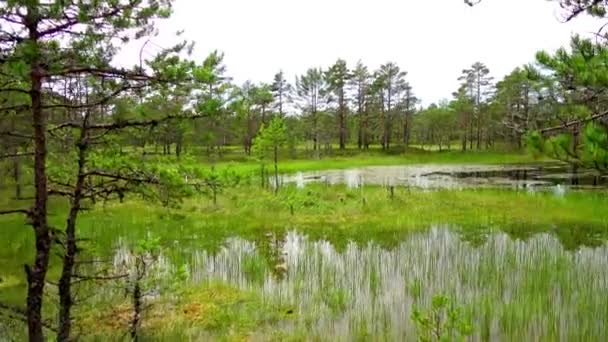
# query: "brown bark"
17,174
365,131
342,120
36,273
69,257
276,169
479,131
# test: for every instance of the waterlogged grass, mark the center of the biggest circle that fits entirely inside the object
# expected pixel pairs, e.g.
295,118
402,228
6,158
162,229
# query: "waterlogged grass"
210,311
510,286
248,165
506,289
336,213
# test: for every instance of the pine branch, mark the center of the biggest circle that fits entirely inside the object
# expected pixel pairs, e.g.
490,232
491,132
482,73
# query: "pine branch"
14,90
119,176
15,108
574,123
578,8
102,101
16,135
73,21
20,314
16,211
16,155
112,277
126,123
103,72
60,193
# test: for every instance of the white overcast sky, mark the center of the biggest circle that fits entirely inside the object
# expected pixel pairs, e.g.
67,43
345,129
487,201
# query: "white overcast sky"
433,40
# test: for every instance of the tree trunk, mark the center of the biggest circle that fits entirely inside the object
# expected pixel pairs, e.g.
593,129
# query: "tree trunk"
315,134
36,274
365,131
471,135
137,308
478,131
406,134
342,116
342,130
281,101
360,136
276,169
65,282
383,120
17,174
178,148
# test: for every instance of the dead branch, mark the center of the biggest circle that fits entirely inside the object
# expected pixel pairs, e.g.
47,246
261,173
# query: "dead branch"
16,155
119,176
16,135
16,211
20,314
574,123
127,123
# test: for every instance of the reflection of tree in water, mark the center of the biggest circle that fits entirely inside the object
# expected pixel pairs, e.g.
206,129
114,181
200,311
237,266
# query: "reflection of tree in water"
574,178
575,237
571,237
270,246
476,237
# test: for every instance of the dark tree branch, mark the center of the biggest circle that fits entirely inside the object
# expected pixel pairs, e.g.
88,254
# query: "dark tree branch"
575,8
118,176
127,123
107,72
72,21
104,100
14,90
16,155
113,277
61,193
16,211
18,108
16,135
574,123
20,314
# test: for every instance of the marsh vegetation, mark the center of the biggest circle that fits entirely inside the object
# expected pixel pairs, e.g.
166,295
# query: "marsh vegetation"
167,202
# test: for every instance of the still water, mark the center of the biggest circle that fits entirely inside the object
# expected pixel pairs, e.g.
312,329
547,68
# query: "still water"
456,176
535,287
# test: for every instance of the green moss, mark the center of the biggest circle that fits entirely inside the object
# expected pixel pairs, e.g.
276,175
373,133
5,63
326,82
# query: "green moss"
211,311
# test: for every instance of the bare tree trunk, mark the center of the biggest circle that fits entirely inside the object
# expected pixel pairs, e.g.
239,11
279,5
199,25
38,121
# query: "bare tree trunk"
276,169
342,115
36,274
342,130
383,121
479,131
360,137
69,257
315,133
360,129
17,174
137,309
281,101
366,131
471,134
406,133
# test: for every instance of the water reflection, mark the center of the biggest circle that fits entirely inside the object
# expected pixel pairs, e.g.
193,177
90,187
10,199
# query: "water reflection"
513,285
557,177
